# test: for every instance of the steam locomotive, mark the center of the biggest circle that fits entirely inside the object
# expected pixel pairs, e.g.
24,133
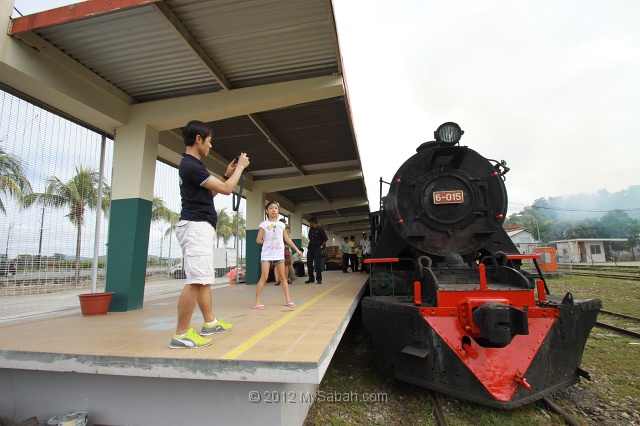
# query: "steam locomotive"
450,307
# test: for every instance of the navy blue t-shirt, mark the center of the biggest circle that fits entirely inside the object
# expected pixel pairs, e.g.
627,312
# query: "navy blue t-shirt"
197,201
316,236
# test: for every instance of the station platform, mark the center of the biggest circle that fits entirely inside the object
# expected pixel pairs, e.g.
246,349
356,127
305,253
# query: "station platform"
120,370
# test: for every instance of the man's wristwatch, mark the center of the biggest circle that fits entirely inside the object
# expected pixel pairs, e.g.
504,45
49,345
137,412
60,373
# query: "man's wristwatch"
225,177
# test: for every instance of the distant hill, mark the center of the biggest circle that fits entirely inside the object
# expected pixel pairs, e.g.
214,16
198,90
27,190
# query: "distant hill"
585,206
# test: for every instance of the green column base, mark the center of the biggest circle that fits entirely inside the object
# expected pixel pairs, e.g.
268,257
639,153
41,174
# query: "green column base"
253,257
129,222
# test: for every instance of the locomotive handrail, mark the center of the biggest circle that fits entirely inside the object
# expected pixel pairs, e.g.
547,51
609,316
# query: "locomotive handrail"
534,256
382,260
391,261
524,256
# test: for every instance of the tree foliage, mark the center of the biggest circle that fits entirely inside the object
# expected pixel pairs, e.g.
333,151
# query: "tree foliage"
13,179
614,224
80,192
225,229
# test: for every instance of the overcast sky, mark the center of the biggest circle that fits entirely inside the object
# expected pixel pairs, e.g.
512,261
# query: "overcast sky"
551,87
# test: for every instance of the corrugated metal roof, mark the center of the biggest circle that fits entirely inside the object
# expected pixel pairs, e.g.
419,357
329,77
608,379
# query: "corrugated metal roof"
175,48
277,41
136,51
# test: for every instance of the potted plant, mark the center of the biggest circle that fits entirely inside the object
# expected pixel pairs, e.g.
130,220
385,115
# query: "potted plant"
94,304
97,302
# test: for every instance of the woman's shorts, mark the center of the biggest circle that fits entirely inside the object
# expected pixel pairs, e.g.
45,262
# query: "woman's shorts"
197,240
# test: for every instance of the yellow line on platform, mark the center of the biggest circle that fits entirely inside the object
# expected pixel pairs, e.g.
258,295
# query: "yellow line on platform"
236,352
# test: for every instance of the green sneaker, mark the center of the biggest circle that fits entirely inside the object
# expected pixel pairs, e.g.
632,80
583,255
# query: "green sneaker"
219,327
190,340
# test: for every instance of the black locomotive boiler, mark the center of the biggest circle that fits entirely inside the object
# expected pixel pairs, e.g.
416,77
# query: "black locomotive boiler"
450,307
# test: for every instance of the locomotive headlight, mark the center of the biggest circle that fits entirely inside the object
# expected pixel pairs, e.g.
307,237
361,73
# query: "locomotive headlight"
448,133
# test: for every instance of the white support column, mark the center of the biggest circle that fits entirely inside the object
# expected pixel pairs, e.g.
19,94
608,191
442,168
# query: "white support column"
296,226
134,162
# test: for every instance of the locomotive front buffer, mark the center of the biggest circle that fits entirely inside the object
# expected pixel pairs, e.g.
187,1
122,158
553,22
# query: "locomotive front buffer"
485,342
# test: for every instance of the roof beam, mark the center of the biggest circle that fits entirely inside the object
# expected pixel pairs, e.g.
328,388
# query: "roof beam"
175,24
275,143
350,228
343,220
170,114
321,194
287,183
322,207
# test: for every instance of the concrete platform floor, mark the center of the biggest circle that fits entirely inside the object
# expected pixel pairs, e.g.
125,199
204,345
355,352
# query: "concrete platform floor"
278,345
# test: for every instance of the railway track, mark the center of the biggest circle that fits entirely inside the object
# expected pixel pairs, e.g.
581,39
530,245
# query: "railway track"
441,421
558,410
437,410
632,277
619,329
620,272
620,315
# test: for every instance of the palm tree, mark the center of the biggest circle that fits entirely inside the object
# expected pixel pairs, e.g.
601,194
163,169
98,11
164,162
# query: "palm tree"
160,212
77,194
159,209
173,218
13,179
239,229
239,232
224,227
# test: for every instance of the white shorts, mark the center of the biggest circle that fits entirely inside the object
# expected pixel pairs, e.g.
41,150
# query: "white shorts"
197,240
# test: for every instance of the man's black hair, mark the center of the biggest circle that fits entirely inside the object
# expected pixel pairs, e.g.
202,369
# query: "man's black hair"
193,129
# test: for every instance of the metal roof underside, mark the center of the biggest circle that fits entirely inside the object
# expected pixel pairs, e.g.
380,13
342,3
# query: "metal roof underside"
155,50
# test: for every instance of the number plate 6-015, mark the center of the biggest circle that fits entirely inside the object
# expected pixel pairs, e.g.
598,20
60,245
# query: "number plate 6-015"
448,197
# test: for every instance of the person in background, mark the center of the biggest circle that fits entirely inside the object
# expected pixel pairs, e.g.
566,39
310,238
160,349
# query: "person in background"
288,267
298,265
344,247
196,233
366,254
272,236
317,240
353,254
363,241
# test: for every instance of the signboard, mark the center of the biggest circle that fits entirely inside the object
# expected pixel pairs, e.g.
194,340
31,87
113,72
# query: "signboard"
448,197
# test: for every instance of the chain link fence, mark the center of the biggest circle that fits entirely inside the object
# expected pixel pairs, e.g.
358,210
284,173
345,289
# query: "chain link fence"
47,252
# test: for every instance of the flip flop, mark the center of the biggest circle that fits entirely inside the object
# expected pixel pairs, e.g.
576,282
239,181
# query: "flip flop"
258,307
290,305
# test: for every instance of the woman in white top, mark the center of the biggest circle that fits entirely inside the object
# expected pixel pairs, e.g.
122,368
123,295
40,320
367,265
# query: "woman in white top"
272,237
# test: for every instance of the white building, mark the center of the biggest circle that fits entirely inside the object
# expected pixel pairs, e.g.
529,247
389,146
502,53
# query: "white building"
523,239
584,250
